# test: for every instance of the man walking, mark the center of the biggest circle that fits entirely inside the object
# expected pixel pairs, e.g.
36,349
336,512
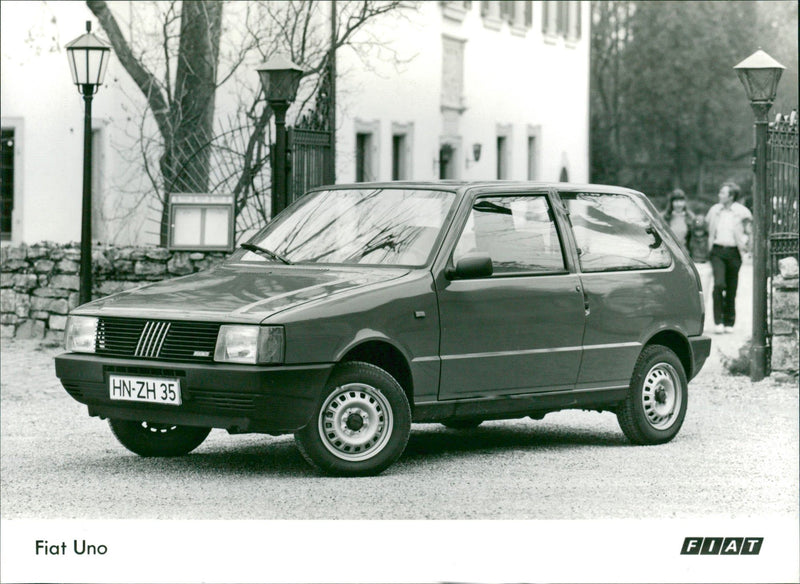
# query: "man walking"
728,222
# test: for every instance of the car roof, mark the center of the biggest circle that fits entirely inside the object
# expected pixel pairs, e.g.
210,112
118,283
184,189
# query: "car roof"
462,186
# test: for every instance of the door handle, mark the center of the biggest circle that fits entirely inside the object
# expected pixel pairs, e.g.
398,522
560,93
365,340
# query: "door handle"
586,309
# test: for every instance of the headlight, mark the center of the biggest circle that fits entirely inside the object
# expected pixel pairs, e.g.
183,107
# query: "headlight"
249,344
80,334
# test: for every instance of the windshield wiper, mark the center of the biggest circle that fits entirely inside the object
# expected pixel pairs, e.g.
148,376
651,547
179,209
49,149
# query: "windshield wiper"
266,252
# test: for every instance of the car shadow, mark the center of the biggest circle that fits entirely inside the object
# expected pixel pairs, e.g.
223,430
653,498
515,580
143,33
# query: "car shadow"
434,441
257,455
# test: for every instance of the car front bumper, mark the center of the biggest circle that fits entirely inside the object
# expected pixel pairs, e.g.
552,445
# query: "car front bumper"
238,398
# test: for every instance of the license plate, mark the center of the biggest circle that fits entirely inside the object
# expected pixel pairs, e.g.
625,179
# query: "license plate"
145,389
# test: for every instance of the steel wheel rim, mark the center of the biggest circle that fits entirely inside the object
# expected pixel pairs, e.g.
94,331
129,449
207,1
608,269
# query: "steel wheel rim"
661,396
155,428
355,422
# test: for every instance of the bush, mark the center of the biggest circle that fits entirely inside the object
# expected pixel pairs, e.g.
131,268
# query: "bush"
739,365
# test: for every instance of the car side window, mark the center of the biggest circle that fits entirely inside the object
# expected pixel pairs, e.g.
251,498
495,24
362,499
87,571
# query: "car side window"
517,232
613,232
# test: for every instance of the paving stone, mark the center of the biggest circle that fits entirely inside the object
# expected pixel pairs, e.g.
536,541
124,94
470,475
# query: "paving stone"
789,268
785,350
17,252
31,329
65,281
60,306
158,253
180,265
43,266
66,266
15,265
22,305
785,304
25,282
145,268
8,300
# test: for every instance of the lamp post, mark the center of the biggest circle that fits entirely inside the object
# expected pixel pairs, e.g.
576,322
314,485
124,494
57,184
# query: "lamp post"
280,79
88,59
760,73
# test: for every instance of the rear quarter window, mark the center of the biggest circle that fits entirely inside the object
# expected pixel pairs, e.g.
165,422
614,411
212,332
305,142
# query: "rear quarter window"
614,232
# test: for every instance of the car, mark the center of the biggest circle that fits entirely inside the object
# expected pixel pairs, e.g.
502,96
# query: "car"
364,308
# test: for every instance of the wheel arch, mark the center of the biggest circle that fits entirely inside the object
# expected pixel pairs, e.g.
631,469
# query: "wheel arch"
678,344
387,356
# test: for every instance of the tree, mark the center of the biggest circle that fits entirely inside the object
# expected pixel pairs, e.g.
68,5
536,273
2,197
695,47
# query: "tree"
667,108
179,65
183,107
610,33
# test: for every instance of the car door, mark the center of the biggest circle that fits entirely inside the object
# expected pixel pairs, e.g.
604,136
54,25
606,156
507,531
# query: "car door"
518,330
629,286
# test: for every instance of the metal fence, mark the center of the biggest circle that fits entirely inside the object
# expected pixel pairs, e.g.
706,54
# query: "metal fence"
783,208
782,190
310,161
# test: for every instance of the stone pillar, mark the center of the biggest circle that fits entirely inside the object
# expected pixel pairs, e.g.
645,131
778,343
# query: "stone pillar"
785,350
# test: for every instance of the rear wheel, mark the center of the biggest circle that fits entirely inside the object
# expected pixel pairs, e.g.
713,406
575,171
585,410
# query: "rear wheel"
655,407
361,425
152,439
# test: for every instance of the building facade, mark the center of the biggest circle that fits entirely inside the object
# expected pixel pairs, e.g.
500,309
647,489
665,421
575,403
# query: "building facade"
471,90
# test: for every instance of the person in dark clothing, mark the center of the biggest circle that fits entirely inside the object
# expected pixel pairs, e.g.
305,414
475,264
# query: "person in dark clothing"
697,240
728,222
678,216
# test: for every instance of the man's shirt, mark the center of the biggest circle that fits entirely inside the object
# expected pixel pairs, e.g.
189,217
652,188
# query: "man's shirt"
726,225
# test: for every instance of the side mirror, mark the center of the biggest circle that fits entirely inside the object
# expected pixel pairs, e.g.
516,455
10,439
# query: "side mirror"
478,265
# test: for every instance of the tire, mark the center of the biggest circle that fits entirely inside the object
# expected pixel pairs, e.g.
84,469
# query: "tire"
361,424
655,407
151,439
462,424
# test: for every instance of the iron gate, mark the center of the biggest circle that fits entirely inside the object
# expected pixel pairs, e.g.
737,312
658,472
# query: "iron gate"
783,191
310,161
311,145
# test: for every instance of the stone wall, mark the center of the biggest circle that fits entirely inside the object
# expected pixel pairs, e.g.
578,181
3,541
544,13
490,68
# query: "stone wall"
785,311
39,283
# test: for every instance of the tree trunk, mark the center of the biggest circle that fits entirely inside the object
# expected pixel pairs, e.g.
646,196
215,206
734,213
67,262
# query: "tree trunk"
185,163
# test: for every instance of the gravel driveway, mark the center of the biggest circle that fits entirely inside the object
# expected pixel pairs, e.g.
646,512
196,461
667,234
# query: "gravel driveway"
737,455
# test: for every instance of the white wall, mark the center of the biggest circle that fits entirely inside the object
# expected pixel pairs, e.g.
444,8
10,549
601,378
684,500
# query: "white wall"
511,80
508,80
37,89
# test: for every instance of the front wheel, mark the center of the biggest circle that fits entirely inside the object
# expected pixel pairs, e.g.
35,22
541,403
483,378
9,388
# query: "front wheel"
655,407
152,439
361,424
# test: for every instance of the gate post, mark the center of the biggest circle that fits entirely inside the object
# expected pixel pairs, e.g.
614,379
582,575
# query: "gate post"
758,359
279,190
759,74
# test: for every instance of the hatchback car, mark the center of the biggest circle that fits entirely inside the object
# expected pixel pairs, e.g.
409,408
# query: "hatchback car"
364,308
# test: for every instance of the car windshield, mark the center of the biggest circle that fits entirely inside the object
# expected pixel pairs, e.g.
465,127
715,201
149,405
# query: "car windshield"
356,226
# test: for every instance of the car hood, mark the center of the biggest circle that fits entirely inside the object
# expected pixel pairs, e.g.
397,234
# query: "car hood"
237,293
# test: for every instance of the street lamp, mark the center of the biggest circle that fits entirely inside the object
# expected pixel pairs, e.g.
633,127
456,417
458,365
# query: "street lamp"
760,73
88,59
280,79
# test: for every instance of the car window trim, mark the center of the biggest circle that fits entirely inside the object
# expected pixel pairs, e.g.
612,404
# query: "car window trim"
666,241
471,199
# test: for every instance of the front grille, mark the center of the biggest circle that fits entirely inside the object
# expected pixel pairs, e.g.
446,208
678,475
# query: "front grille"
240,402
156,339
73,388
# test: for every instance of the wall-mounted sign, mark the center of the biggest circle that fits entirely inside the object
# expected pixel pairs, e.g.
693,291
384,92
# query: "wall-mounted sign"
200,222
